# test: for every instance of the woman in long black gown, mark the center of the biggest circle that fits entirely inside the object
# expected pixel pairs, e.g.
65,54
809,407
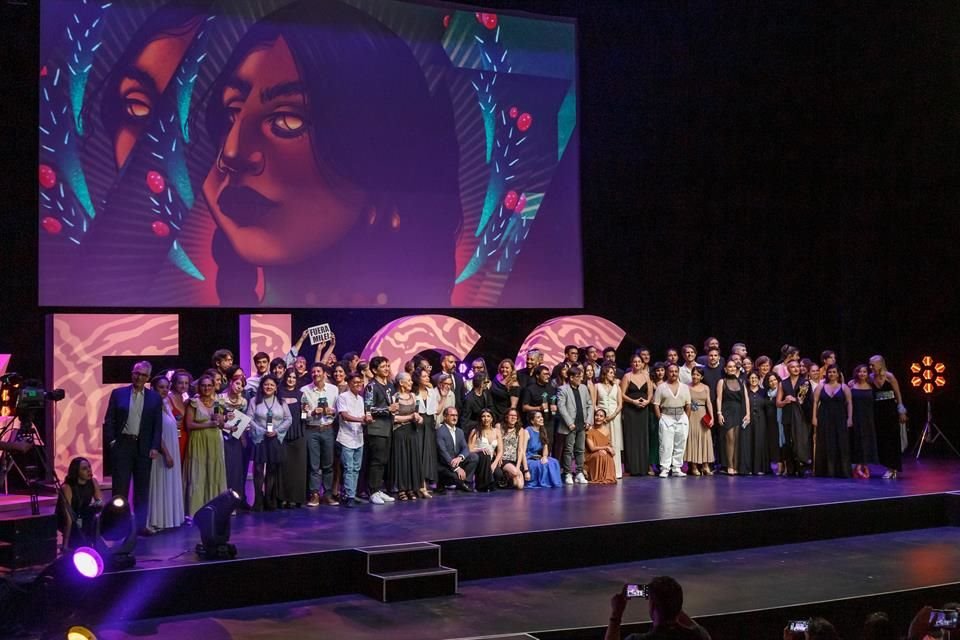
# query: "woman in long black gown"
759,461
798,451
293,483
637,393
888,413
832,420
775,438
733,415
863,443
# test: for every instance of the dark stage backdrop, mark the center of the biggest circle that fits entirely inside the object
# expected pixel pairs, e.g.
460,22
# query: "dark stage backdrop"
766,172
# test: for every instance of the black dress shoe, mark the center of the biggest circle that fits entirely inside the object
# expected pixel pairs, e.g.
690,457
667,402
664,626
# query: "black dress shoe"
465,488
349,503
440,490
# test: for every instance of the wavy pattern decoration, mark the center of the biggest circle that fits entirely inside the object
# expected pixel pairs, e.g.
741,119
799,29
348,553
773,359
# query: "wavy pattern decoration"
79,344
267,332
401,339
551,336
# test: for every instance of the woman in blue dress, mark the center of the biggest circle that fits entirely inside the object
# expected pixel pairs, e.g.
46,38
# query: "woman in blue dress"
544,470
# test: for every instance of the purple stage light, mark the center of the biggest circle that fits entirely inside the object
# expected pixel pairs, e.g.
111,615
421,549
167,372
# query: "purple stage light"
88,562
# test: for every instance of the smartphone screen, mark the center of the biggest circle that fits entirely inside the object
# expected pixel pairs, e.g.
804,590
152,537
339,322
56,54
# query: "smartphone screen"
636,591
799,625
944,618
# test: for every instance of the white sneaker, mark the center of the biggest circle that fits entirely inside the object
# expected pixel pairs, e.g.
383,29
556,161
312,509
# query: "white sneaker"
665,473
679,472
376,498
568,479
580,479
386,497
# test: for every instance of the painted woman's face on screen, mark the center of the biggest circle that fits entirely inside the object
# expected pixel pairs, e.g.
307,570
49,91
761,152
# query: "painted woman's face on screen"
265,190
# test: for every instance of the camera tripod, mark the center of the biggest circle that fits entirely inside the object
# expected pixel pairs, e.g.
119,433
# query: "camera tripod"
23,439
931,433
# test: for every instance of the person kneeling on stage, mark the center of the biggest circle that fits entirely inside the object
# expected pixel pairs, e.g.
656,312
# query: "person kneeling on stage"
666,611
80,500
671,404
456,463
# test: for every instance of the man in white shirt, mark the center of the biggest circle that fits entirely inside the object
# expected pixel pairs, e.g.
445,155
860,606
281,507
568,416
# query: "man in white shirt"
671,404
353,415
318,401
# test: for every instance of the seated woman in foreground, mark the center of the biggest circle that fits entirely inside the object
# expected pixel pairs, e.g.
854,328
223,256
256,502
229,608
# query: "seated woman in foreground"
544,471
599,461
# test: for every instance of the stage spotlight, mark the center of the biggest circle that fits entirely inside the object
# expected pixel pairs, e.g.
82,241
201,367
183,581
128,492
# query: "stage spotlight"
88,562
80,633
117,534
213,522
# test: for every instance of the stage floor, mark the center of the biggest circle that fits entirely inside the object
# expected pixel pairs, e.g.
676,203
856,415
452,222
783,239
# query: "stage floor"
767,577
458,515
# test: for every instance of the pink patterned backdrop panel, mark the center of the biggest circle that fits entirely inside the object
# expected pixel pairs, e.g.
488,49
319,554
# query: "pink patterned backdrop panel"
79,343
4,362
267,332
401,339
551,336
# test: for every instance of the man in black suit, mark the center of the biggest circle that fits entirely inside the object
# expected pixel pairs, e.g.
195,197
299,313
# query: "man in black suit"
132,428
456,462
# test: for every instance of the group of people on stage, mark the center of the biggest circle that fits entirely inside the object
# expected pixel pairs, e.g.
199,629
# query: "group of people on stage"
338,431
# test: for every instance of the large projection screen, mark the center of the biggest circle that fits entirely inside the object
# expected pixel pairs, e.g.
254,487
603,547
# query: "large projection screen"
316,153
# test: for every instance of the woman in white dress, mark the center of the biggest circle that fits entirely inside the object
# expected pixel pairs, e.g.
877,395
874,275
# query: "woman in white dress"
166,480
610,399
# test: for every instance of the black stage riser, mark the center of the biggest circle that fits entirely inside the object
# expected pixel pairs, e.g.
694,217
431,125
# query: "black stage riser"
149,593
538,551
847,615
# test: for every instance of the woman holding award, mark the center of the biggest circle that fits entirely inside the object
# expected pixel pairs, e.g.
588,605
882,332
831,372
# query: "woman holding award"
206,475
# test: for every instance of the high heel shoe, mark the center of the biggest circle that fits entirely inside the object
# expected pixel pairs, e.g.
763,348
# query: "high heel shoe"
426,495
890,475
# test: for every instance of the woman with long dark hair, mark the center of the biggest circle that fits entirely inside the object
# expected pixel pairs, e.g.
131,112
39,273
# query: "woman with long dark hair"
863,450
427,402
270,421
330,140
544,470
485,442
733,416
513,440
79,502
293,487
832,421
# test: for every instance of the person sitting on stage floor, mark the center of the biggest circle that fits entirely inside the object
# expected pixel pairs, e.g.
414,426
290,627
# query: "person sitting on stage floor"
544,470
456,464
666,611
599,461
78,505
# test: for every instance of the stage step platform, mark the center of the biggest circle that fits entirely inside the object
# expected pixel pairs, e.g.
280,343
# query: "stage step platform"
406,572
317,552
